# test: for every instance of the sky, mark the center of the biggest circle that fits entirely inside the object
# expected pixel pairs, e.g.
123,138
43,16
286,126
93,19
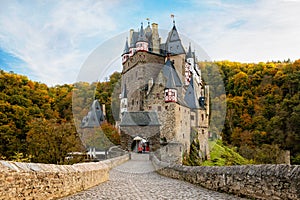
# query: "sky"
52,41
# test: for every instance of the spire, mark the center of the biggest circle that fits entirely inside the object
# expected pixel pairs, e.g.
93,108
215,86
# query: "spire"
124,92
190,95
148,20
173,17
173,43
126,48
189,53
142,37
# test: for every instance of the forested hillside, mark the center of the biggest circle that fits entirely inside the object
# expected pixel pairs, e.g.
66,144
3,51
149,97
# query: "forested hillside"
263,110
262,118
36,121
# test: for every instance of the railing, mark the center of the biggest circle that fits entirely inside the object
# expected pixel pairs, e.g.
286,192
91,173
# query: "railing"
254,181
49,181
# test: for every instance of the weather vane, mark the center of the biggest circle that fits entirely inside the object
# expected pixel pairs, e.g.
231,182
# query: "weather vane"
173,17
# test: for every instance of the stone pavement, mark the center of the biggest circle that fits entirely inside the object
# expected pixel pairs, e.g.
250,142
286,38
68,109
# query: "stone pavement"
136,179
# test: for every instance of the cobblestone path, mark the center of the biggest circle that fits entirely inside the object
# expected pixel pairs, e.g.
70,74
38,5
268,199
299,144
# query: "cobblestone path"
136,179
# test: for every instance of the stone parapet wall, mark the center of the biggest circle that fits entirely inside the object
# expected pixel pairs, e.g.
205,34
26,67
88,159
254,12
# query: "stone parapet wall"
254,181
49,181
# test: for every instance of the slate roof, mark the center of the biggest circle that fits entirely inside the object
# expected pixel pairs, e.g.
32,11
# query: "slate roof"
171,75
142,36
189,54
190,96
126,48
134,39
95,116
173,43
140,118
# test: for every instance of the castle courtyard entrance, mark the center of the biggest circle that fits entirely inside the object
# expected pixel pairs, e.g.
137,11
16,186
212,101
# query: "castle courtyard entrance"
140,145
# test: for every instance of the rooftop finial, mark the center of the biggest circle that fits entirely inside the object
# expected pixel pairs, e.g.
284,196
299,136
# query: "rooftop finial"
148,19
173,17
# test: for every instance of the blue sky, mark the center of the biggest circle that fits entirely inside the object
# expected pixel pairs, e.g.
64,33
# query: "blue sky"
50,41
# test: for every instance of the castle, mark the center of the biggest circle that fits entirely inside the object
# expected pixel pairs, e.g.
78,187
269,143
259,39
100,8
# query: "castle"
164,102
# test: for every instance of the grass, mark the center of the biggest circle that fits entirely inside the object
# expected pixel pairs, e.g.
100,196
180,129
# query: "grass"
221,155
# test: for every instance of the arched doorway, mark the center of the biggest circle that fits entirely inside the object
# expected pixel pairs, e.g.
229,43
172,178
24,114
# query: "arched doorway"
140,145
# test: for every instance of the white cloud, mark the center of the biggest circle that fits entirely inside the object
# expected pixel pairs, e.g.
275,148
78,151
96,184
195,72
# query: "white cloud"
249,32
54,38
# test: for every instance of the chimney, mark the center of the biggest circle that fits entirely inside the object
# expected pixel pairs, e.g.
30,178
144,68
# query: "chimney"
155,38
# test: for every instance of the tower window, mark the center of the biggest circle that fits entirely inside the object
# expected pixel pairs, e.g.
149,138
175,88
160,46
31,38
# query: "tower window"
202,132
132,102
192,117
166,107
159,108
202,117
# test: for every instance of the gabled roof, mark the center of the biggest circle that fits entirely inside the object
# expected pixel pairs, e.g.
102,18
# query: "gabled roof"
173,43
190,96
140,118
171,75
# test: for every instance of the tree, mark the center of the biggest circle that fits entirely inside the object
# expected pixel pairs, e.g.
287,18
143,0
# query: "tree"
49,141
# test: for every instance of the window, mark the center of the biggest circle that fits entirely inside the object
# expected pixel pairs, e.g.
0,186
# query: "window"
192,117
202,117
166,107
159,108
149,107
182,135
132,102
202,131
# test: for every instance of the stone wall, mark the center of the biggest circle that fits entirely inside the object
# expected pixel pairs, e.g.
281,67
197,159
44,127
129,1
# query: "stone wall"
254,181
49,181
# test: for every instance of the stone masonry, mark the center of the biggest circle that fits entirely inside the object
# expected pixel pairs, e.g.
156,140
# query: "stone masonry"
48,181
254,181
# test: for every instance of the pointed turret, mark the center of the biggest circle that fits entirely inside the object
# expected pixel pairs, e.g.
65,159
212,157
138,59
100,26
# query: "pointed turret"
125,54
189,54
173,43
124,101
124,92
173,82
171,75
142,43
190,96
142,36
126,48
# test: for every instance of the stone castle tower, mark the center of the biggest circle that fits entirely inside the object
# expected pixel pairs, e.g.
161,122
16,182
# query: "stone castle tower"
164,101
